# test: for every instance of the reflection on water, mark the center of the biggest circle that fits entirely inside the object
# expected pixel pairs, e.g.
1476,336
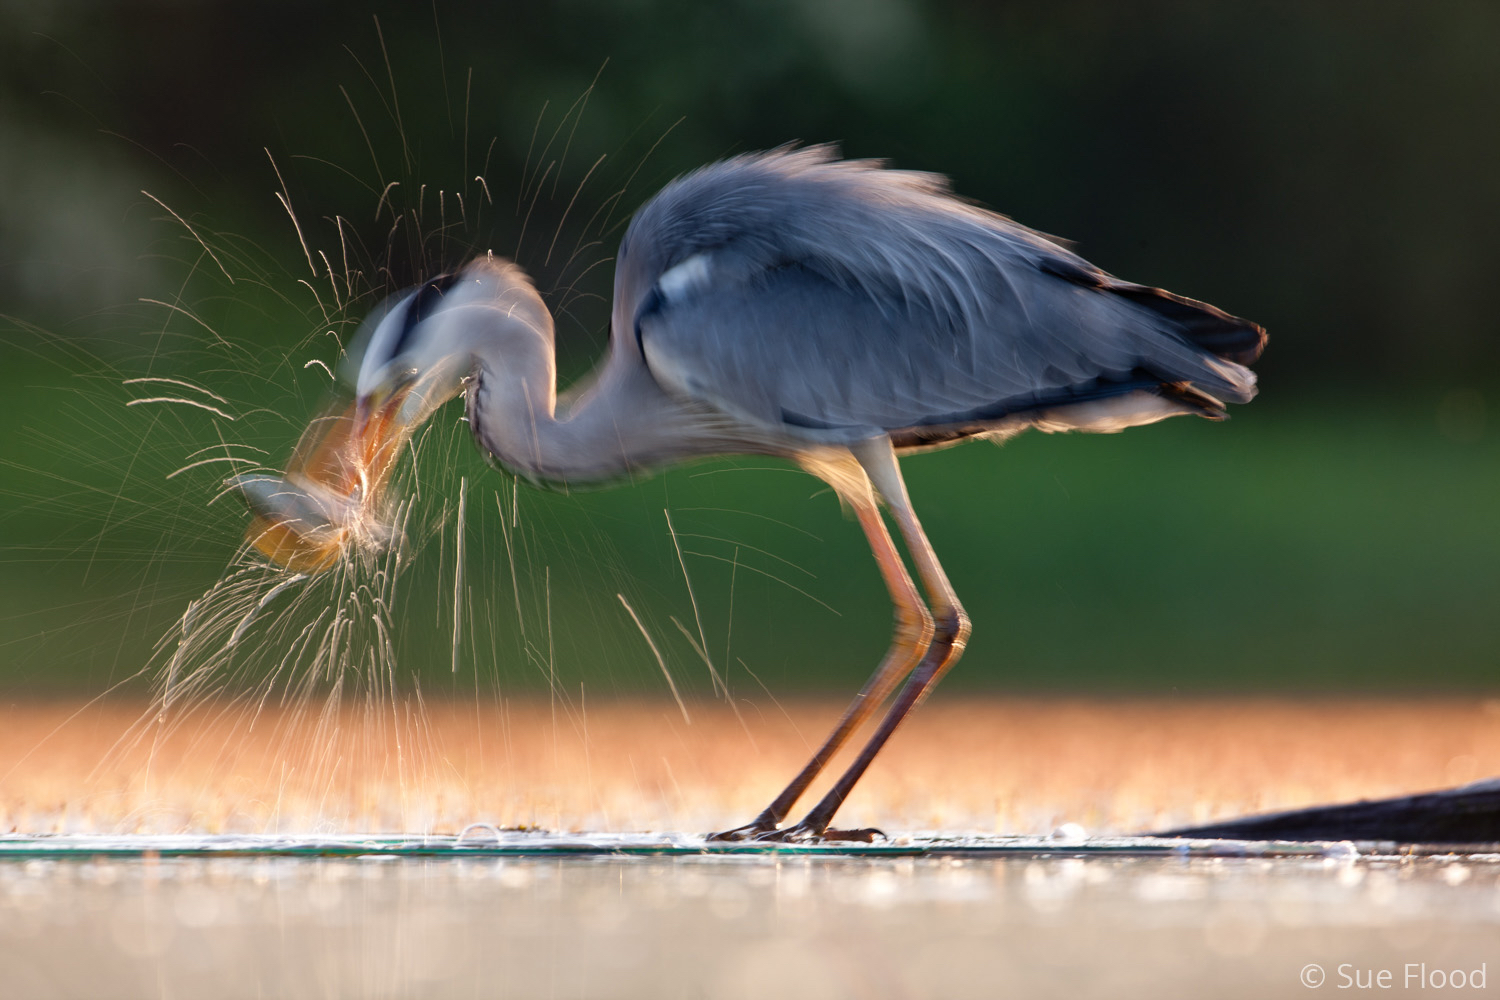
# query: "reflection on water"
740,926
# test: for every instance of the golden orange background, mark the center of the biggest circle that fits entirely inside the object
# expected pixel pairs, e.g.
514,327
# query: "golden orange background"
987,765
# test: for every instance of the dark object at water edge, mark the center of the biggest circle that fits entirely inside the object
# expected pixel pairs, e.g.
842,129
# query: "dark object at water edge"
1469,814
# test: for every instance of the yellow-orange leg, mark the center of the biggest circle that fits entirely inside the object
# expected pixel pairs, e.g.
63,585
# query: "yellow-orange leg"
951,632
913,633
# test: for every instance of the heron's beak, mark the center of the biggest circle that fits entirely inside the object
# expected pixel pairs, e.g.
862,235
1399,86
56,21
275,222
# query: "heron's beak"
376,433
374,412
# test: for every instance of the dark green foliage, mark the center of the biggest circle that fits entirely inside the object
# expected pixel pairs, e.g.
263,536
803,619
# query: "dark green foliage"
1332,176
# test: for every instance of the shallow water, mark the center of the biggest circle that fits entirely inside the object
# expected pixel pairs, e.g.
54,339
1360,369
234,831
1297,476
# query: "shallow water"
978,919
227,907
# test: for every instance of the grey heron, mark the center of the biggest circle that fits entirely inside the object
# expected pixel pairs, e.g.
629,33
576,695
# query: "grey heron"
835,313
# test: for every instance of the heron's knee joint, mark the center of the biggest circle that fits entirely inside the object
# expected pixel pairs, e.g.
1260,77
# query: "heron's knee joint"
915,626
952,627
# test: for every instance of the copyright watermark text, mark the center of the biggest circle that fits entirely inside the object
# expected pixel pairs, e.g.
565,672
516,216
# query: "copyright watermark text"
1411,976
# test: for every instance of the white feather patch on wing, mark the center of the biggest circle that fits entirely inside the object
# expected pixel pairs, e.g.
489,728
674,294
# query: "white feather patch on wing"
677,282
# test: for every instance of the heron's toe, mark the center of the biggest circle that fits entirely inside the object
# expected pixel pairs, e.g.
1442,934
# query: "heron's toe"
798,834
750,831
807,833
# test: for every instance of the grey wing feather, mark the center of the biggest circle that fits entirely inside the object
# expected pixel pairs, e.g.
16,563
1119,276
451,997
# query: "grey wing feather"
839,296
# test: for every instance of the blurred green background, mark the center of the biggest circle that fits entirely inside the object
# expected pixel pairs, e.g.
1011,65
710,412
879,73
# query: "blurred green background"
1329,171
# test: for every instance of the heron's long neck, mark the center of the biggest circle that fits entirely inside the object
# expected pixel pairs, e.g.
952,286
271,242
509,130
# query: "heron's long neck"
623,422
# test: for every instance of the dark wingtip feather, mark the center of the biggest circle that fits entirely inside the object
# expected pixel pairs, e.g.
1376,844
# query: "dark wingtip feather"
1210,327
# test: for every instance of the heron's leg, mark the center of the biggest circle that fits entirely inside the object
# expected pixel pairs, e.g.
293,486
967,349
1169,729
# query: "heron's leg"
951,632
913,633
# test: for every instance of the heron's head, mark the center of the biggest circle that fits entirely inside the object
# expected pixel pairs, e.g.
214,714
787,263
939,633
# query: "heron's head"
418,351
413,354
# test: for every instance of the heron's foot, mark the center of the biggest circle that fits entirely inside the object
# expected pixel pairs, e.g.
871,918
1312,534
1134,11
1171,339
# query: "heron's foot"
750,831
805,833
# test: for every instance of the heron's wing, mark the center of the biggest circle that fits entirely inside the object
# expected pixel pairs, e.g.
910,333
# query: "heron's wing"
953,317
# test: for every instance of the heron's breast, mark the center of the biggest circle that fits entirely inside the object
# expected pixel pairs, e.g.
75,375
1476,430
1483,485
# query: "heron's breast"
670,370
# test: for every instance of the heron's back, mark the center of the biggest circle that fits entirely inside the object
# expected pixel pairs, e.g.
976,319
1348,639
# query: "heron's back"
838,300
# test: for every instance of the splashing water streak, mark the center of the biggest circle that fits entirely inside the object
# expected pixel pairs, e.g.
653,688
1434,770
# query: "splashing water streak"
302,618
296,641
